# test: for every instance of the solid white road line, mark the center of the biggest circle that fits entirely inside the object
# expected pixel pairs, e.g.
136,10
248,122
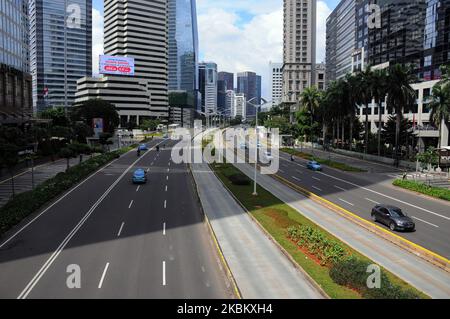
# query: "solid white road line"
120,230
131,204
100,284
372,201
317,188
164,274
342,189
49,262
424,221
346,202
381,194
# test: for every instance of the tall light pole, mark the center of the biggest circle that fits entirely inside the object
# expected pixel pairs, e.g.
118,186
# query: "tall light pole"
257,107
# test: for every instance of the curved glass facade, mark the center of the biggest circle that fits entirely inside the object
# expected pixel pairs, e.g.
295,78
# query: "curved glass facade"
183,46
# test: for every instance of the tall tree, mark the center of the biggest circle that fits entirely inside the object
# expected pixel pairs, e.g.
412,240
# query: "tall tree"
310,101
366,95
379,89
97,108
440,107
400,96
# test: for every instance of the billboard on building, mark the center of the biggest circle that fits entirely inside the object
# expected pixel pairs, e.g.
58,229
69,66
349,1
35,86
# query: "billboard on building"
116,65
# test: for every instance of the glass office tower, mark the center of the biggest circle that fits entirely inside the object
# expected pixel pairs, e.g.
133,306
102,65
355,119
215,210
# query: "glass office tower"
60,49
15,82
183,46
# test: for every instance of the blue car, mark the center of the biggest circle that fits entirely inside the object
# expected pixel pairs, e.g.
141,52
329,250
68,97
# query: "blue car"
143,147
313,165
139,176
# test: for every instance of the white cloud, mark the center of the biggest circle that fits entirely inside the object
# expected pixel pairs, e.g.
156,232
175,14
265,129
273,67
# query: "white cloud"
237,45
97,39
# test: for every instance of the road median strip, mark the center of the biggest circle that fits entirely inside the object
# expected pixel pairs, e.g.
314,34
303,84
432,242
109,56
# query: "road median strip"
275,218
422,188
411,247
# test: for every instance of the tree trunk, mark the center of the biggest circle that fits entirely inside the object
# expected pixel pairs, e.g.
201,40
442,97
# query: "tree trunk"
379,127
343,133
366,147
13,188
397,138
351,133
334,134
338,132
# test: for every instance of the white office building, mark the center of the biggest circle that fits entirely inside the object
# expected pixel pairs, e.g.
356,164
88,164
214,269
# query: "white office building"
208,86
134,29
239,107
276,81
299,47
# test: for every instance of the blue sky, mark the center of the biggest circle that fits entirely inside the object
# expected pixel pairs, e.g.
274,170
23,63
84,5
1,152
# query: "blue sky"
239,35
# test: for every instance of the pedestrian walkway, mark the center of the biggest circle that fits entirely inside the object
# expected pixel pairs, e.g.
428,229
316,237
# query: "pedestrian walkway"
24,181
260,269
424,276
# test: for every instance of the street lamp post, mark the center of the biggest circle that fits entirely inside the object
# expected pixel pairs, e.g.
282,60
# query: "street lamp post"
257,107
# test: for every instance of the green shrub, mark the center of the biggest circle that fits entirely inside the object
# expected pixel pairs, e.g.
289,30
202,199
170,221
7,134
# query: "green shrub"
422,188
352,273
326,250
26,203
239,179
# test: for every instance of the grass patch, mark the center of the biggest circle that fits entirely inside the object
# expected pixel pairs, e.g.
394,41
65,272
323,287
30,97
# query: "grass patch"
436,192
330,163
278,218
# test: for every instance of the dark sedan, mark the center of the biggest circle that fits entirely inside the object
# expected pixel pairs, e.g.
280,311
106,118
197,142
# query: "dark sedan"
393,217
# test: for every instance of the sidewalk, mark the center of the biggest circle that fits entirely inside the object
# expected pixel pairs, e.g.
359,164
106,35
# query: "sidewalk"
23,180
412,269
258,266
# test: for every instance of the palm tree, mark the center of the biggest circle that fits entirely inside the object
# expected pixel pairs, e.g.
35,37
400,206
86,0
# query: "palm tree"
353,93
379,89
310,101
366,95
440,107
400,96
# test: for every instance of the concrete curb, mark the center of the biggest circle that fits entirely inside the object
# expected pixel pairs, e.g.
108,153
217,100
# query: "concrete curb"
224,262
270,237
411,247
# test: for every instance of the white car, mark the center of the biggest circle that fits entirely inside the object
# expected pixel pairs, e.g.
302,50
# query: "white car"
268,156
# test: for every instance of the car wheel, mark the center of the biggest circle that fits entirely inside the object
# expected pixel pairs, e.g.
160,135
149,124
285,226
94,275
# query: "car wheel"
374,217
392,226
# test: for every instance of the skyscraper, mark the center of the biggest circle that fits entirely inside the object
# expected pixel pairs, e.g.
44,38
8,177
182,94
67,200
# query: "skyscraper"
60,49
228,79
208,86
183,46
299,51
249,84
276,82
15,81
134,29
340,40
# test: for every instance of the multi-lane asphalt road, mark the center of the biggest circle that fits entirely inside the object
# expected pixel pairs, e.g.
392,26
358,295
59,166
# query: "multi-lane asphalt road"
127,241
360,192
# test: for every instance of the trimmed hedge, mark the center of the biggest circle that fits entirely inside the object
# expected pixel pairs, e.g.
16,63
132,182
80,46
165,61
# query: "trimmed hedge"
239,179
352,273
24,204
441,193
326,250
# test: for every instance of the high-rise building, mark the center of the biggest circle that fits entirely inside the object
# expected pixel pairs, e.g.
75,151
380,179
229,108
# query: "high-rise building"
208,86
340,40
229,102
15,81
228,78
276,81
249,84
299,48
238,104
221,95
134,29
60,49
183,46
320,76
